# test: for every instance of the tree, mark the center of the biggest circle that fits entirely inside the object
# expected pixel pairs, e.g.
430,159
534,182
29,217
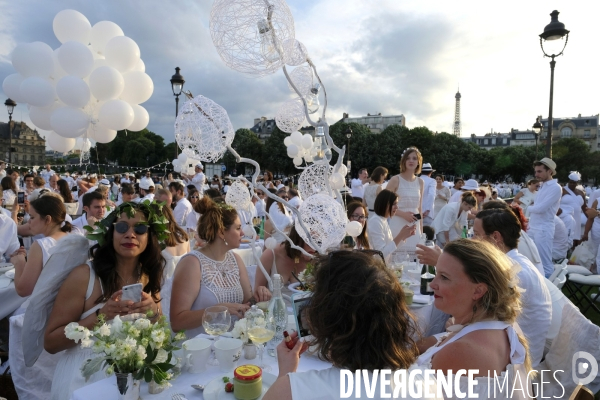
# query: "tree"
248,145
571,154
275,156
136,149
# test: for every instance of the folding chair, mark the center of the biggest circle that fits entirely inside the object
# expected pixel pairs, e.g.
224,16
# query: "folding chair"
575,285
581,393
557,269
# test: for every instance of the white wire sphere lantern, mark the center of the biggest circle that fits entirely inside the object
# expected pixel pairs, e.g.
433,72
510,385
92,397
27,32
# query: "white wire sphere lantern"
290,116
302,78
325,220
243,37
294,52
238,196
314,180
203,129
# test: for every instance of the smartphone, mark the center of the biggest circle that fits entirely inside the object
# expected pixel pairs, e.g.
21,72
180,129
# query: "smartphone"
21,198
132,292
299,303
418,217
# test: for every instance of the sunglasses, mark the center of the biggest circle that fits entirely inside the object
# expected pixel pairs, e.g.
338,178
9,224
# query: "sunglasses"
194,197
123,227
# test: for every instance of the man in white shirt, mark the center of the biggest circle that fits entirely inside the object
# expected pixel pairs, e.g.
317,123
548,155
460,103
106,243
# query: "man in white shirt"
94,207
126,194
46,174
470,186
53,183
125,178
9,242
69,180
429,191
358,185
295,200
543,211
501,227
198,179
146,190
458,183
182,205
560,243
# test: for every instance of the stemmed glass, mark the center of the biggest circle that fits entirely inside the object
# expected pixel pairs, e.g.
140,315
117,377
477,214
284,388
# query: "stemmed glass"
216,321
261,329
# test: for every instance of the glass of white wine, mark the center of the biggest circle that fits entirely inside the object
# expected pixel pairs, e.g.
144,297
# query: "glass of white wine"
216,321
261,329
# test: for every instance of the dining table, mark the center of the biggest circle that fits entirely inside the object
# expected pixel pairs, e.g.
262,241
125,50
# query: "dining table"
10,301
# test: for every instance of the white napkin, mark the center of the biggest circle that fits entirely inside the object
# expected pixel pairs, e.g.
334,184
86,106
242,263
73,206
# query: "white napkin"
10,274
421,298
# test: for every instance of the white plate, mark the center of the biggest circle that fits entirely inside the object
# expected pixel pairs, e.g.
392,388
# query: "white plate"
6,267
293,286
215,390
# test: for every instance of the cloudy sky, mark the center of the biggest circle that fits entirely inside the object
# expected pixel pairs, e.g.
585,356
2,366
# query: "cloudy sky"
387,56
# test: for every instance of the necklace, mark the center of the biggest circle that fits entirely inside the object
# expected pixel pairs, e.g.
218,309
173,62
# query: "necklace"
137,279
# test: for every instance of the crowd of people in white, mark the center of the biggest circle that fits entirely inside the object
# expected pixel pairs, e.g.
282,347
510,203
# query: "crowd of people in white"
198,268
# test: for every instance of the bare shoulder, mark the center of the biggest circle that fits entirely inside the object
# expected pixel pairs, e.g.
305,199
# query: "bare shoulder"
78,277
238,260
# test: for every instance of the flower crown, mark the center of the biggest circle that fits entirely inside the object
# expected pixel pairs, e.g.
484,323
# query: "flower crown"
156,221
410,148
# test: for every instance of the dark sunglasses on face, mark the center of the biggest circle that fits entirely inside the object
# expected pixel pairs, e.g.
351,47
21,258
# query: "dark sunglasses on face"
194,197
123,227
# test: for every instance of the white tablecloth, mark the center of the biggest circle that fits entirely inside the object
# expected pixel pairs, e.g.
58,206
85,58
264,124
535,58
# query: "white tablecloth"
10,301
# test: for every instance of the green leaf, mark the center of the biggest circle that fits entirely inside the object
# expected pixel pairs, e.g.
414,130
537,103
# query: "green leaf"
148,375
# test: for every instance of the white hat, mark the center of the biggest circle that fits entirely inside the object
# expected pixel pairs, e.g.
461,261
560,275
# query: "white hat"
471,184
575,176
427,168
146,184
199,165
105,182
548,162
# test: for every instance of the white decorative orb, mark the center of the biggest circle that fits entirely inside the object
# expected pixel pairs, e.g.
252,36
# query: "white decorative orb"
270,243
33,59
11,86
336,180
76,59
307,141
354,228
290,117
102,32
38,91
69,122
343,170
238,196
138,87
106,83
292,150
203,129
294,52
116,115
122,53
287,141
325,221
243,38
101,134
249,230
71,25
302,78
40,116
314,180
59,143
73,91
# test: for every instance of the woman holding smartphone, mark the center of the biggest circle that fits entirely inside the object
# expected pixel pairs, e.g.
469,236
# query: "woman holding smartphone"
128,253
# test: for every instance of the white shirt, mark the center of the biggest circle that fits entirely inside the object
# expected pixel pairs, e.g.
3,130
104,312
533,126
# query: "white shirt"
125,180
560,243
2,174
191,222
295,201
358,188
198,181
429,191
182,210
595,195
79,224
536,316
528,248
380,235
46,175
149,196
260,208
447,218
543,210
9,242
455,198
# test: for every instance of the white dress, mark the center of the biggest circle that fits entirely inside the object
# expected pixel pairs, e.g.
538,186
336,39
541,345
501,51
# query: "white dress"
171,262
409,199
517,358
575,201
440,203
527,199
370,196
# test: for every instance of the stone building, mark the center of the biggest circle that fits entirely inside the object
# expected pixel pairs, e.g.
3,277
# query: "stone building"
29,148
376,123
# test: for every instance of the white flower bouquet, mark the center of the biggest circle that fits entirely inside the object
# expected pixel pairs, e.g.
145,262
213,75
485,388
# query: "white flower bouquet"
141,348
240,329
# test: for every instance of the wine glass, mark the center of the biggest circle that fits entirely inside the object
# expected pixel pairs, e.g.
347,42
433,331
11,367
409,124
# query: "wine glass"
261,329
216,321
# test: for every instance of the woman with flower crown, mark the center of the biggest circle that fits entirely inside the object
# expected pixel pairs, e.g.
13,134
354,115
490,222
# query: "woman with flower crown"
409,188
128,252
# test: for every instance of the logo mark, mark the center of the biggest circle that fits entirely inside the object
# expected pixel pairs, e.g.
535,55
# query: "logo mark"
589,367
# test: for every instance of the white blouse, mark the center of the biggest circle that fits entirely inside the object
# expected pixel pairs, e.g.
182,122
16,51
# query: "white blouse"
380,235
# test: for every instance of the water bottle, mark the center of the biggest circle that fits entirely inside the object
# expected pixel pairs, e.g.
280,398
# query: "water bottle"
262,228
465,232
278,310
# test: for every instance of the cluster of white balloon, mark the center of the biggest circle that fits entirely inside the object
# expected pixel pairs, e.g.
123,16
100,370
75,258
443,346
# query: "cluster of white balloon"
90,87
184,164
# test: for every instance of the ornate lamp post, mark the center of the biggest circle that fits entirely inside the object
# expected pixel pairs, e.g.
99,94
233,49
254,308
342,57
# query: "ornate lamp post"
553,31
10,106
348,133
177,82
537,129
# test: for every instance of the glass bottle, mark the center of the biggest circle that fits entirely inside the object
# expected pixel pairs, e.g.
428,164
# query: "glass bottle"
427,275
465,232
278,310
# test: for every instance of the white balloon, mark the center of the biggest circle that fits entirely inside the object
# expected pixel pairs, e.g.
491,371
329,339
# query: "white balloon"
140,118
177,168
69,122
354,228
122,53
71,25
140,66
307,141
138,87
270,243
11,86
73,91
59,143
116,115
33,59
287,141
106,83
182,158
101,134
343,170
102,32
297,161
308,158
336,180
296,138
40,116
98,62
175,162
248,230
292,150
38,91
76,59
58,71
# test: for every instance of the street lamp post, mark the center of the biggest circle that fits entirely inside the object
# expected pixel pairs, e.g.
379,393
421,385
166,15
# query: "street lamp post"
553,31
537,128
10,106
348,133
177,82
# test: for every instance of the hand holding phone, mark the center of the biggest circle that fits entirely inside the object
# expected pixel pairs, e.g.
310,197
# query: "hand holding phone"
132,293
21,198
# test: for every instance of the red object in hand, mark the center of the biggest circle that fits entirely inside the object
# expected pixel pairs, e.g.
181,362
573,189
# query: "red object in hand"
229,387
288,340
